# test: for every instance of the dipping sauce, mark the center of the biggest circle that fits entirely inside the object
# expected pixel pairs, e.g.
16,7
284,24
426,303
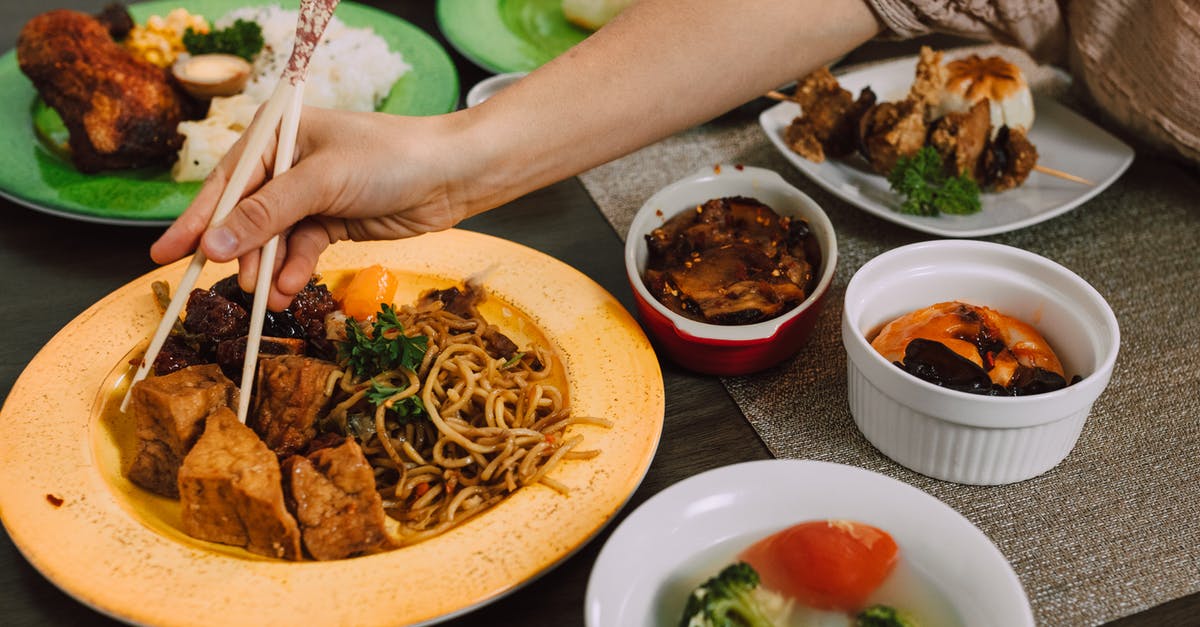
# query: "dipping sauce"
212,75
971,349
732,261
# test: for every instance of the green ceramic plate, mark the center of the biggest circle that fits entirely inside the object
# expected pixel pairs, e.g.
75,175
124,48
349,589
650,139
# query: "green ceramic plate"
33,173
508,35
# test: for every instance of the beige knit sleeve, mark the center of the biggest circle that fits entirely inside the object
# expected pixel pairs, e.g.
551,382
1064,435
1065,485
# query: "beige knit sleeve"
1035,25
1134,59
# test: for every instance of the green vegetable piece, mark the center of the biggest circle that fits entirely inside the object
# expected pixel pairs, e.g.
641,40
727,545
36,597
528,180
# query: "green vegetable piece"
406,409
244,39
883,616
733,598
385,348
512,361
958,196
927,191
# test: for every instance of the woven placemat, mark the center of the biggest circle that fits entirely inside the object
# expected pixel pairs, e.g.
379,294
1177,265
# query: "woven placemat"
1115,528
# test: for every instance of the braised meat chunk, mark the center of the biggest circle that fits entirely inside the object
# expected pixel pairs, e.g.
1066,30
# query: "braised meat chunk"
231,353
828,122
463,303
230,491
169,413
731,261
121,112
289,394
212,315
332,492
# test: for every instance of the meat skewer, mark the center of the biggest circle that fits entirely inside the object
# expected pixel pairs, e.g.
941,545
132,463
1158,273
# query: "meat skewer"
314,17
782,97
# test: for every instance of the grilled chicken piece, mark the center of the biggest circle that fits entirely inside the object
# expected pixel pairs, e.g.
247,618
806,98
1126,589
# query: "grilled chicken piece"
121,112
829,117
929,81
1008,160
891,130
960,138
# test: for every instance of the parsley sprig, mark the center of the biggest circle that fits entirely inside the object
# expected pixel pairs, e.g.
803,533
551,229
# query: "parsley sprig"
406,409
384,348
927,190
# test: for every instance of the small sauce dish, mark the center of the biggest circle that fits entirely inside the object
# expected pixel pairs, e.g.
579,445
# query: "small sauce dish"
206,76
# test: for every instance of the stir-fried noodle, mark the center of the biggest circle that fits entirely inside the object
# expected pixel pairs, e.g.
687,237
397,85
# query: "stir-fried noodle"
489,426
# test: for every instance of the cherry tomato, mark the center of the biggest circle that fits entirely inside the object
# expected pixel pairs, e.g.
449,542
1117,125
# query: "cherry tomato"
825,564
370,288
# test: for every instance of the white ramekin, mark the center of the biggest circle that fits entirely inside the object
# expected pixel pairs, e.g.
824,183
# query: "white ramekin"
969,438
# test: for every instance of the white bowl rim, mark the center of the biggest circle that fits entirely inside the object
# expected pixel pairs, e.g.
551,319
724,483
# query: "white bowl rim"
997,412
679,505
817,220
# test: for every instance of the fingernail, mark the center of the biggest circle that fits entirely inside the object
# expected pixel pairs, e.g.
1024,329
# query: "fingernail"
220,242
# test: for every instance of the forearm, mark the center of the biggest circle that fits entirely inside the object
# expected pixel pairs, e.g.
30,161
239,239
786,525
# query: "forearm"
660,67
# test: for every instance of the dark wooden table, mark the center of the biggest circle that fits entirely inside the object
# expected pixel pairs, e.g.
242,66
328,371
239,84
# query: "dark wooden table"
51,269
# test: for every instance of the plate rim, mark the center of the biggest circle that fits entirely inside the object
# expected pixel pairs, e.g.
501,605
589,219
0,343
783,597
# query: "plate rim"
95,214
760,473
769,119
468,45
37,536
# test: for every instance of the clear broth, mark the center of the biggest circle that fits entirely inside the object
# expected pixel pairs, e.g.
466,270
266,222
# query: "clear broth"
907,589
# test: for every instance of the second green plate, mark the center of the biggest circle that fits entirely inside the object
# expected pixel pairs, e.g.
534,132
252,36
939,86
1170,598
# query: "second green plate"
508,35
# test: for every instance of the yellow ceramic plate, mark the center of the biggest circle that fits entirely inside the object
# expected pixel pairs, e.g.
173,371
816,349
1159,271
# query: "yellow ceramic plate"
111,545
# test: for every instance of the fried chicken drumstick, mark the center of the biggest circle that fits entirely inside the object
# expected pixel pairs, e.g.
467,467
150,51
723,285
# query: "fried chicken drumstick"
121,112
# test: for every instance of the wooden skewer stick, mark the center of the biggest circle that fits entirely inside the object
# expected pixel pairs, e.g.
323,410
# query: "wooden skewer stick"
778,95
266,259
1063,175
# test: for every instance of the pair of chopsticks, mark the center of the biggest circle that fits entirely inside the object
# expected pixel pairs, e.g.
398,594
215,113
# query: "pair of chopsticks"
282,112
782,97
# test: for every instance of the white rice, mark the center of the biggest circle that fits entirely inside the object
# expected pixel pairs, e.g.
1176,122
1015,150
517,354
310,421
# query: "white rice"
351,69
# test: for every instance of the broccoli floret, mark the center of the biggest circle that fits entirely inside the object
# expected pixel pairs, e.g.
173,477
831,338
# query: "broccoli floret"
734,598
883,616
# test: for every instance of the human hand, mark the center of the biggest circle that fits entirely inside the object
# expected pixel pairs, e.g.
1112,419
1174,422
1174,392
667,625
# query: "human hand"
357,176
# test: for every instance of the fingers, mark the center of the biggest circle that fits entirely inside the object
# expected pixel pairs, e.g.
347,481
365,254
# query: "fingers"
272,209
304,246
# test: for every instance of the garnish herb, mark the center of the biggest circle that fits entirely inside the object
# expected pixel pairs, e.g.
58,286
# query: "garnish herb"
406,409
243,39
385,348
927,190
512,361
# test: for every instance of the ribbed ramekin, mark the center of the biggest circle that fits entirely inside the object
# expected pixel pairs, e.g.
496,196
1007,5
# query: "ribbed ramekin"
969,438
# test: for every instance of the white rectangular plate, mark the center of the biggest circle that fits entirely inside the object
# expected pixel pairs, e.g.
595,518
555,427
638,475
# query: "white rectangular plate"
1064,139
